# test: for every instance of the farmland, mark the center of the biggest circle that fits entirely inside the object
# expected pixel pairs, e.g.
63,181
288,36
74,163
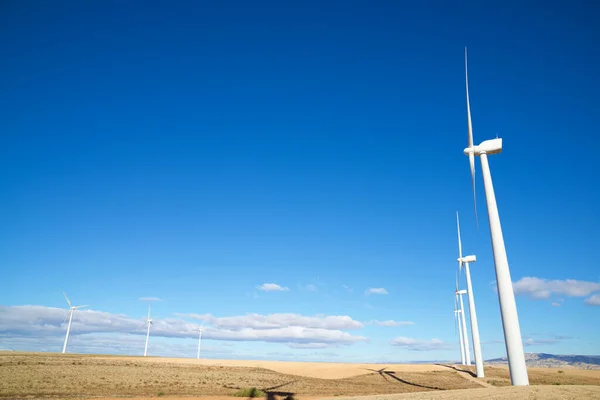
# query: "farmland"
48,375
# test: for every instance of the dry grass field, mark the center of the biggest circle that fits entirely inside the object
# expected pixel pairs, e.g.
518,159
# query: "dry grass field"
47,375
504,393
498,376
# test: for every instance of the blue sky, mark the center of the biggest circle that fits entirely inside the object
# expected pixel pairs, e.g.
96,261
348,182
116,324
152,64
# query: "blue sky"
194,151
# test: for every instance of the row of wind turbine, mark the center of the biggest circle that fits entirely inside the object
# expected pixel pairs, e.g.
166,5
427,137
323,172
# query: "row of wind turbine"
149,322
458,328
506,297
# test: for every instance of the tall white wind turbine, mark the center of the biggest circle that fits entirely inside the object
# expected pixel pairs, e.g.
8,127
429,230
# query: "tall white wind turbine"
506,296
465,336
149,322
458,325
70,317
200,330
464,262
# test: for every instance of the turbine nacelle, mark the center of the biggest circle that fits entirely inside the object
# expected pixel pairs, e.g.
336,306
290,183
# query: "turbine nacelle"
492,146
461,292
467,259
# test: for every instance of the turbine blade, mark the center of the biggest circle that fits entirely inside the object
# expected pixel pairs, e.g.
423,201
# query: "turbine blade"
470,140
67,317
472,164
457,276
459,242
202,324
76,307
67,299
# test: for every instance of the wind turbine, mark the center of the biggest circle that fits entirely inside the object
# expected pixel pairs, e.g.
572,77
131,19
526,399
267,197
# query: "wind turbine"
149,322
465,337
70,317
200,330
506,295
472,314
458,325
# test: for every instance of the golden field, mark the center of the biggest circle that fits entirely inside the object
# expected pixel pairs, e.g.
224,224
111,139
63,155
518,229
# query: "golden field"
49,375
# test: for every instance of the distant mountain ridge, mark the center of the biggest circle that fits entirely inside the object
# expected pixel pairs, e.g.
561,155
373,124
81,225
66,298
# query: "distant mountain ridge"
555,361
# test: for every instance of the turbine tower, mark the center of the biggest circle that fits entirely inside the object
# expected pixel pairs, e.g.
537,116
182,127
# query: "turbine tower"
506,296
464,261
465,337
200,330
149,322
70,317
458,325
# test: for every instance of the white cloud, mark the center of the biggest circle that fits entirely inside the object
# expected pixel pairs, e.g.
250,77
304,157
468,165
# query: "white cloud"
272,321
553,339
124,344
43,322
556,304
294,356
312,345
150,299
538,342
293,334
391,323
419,344
272,287
593,300
376,291
496,341
538,288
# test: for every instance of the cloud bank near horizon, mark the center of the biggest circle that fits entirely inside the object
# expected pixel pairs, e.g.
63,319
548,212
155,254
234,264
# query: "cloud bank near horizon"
31,321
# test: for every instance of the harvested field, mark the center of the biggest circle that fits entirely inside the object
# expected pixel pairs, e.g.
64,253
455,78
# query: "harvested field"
513,393
498,376
56,375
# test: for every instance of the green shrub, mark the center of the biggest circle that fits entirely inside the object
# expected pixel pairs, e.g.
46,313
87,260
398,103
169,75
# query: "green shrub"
161,394
251,392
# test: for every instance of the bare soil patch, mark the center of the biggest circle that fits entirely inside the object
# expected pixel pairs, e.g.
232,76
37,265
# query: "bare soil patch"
321,370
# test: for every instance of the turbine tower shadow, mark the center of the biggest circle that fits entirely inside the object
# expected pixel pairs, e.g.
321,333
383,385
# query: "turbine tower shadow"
392,374
473,374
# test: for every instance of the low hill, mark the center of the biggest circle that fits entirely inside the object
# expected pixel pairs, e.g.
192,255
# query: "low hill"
555,361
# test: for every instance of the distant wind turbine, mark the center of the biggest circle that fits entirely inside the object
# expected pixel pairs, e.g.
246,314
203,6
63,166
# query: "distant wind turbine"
200,330
149,322
465,336
70,317
464,261
506,295
458,326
